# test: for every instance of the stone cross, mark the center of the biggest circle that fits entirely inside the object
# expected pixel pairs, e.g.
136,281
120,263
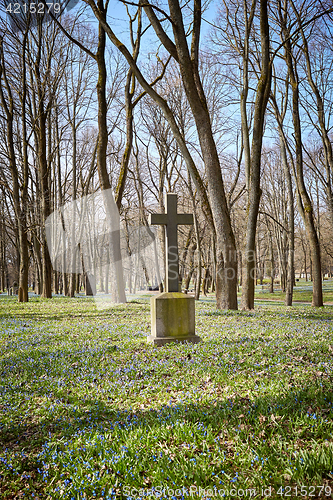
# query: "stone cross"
171,219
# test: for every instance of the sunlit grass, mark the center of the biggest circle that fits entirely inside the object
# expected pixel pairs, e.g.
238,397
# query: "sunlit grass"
302,292
90,410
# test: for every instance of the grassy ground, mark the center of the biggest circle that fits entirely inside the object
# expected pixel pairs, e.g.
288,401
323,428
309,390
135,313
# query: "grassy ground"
302,292
90,411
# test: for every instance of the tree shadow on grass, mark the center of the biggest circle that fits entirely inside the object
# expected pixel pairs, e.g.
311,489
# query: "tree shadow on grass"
62,314
231,423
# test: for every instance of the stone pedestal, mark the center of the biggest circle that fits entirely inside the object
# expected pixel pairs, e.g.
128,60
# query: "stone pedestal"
172,319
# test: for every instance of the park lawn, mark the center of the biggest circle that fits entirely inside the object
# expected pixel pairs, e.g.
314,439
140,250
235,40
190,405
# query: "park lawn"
302,292
90,411
299,296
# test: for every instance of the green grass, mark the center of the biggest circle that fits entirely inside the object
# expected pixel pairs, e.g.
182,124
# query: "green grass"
299,296
302,292
89,410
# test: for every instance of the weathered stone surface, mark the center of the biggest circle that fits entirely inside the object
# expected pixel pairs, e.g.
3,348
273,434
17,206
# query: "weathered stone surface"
171,219
172,319
159,341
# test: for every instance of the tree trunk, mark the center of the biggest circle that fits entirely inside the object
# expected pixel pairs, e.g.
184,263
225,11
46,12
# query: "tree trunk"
291,226
305,205
191,268
198,280
24,249
118,288
90,284
43,174
20,202
56,282
254,194
271,286
107,269
74,256
64,289
45,202
205,282
305,266
327,144
2,252
183,258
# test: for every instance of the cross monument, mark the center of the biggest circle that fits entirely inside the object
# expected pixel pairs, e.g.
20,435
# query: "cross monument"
172,312
171,219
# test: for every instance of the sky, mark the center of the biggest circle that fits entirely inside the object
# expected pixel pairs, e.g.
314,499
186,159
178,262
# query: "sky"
117,18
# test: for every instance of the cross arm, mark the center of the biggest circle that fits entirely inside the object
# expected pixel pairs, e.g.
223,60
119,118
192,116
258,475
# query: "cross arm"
157,219
184,219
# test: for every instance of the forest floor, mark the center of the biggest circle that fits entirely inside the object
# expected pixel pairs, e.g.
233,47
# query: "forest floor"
89,410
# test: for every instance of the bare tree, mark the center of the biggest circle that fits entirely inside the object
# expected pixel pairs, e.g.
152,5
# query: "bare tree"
19,174
216,208
304,202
